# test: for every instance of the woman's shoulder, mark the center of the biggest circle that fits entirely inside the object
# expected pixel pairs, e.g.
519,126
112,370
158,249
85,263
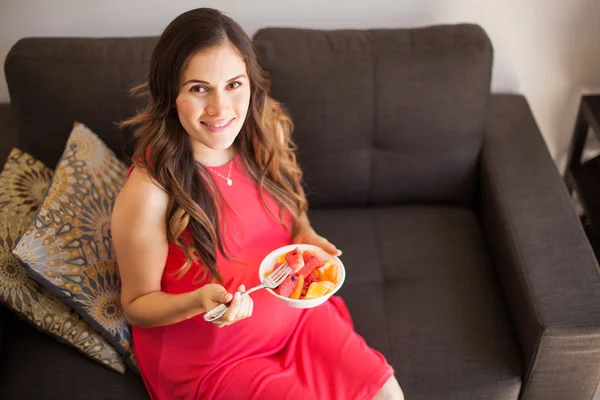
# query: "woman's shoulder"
141,196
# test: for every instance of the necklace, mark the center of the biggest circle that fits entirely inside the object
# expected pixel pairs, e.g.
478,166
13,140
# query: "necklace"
228,177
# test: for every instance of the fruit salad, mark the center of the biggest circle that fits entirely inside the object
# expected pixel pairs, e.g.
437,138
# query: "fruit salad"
311,277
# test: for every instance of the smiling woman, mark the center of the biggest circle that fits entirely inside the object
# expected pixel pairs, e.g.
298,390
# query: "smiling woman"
214,188
213,109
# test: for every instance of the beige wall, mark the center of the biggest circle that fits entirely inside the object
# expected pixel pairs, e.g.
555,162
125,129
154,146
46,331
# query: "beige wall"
547,49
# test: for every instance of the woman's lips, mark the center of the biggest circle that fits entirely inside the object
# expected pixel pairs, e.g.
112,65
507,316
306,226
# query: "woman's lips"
216,126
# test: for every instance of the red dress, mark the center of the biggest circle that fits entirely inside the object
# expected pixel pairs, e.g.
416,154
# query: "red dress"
277,353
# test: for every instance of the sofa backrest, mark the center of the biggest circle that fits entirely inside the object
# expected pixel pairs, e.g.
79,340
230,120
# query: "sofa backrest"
53,82
383,116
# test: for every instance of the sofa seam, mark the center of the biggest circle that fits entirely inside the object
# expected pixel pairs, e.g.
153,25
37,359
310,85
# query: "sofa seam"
372,218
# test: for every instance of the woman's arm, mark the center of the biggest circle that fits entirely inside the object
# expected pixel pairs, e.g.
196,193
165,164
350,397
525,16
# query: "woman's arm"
302,224
303,233
139,231
139,235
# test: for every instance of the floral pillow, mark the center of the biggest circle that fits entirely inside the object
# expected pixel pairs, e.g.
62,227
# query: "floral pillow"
68,248
23,185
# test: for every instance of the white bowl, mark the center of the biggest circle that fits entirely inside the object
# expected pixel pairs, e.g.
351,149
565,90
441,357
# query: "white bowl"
270,260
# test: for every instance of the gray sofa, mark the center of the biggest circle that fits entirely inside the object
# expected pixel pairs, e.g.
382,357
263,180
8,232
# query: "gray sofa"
467,266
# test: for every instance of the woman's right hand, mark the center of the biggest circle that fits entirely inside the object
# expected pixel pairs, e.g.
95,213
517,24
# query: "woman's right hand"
212,295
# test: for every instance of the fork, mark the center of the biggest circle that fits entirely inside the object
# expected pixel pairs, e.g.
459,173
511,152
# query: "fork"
270,282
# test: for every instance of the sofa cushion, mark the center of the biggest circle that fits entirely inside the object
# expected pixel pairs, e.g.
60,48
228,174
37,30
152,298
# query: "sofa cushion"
35,366
402,110
68,246
353,232
421,275
55,81
24,182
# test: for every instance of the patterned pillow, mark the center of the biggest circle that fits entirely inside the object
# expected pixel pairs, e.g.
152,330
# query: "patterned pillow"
68,247
23,185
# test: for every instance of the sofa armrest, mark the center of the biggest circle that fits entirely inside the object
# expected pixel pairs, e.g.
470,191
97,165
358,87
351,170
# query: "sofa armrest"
543,259
8,132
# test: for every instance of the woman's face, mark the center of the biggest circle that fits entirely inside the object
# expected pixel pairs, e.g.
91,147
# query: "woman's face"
213,101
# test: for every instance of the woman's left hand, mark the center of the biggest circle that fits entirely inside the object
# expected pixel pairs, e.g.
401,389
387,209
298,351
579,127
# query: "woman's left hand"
309,236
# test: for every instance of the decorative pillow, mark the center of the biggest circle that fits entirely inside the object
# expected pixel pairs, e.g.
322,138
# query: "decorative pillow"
68,248
23,185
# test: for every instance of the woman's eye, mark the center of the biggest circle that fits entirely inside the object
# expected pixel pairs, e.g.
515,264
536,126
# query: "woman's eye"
235,85
198,89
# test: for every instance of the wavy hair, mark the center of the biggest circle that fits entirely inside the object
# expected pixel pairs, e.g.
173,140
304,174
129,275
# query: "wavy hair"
163,148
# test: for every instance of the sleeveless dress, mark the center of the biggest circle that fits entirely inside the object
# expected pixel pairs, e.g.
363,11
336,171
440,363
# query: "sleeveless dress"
277,353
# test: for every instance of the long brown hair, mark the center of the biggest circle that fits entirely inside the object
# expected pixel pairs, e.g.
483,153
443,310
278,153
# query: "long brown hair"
164,148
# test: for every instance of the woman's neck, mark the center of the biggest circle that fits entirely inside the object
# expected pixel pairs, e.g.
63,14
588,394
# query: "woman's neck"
213,158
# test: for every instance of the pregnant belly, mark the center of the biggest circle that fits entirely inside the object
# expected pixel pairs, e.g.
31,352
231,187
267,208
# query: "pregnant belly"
204,344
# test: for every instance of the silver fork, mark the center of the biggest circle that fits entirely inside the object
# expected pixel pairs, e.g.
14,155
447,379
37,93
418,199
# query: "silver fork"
270,282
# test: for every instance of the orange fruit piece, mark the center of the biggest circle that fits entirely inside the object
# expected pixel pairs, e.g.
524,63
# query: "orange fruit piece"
321,273
318,289
298,289
330,272
318,273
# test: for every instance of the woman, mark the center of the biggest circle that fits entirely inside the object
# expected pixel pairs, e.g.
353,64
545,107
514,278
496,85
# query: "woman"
214,188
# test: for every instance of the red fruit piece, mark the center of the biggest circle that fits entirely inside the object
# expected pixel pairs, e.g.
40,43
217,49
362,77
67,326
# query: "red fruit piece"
311,261
294,259
287,286
310,279
306,255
